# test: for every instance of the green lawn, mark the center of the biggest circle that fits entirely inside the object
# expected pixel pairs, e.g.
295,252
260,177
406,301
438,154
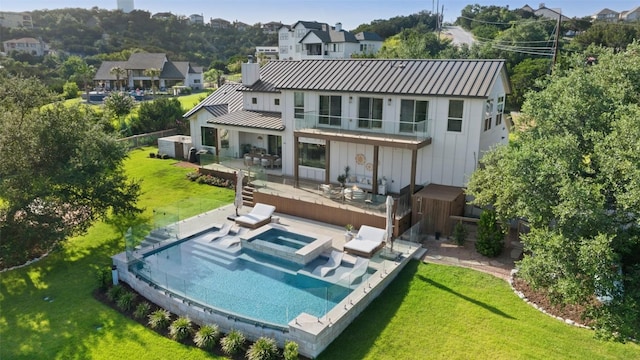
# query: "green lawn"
431,311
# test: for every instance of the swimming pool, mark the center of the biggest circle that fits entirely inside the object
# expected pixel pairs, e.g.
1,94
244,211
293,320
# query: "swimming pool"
287,239
245,284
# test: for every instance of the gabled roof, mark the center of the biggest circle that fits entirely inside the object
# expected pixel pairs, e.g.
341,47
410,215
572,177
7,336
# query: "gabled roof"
104,71
175,70
227,95
24,40
342,36
368,36
143,61
311,25
252,119
460,78
606,11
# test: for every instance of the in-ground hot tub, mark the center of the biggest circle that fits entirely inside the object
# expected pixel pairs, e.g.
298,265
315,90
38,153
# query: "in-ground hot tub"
275,240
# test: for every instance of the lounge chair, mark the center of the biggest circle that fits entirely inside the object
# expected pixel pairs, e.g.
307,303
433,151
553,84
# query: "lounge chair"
335,259
223,231
368,240
359,269
259,215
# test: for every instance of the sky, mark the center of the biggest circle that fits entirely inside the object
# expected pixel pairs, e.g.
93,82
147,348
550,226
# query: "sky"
350,13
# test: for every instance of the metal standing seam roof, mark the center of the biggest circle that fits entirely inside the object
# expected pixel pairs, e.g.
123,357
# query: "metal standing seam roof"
227,94
454,78
251,119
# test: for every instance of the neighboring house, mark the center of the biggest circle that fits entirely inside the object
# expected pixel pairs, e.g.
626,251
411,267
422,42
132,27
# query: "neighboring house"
631,15
269,52
271,27
163,16
240,25
15,20
546,12
606,15
314,40
408,122
27,45
172,73
218,23
196,19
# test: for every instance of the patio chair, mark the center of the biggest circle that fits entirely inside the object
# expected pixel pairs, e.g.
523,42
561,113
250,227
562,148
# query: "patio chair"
223,231
368,240
359,269
335,259
259,215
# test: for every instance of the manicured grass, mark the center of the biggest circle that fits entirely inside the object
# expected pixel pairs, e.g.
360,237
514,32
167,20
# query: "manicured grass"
430,311
441,312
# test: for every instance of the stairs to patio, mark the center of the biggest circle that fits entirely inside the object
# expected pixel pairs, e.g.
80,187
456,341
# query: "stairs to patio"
247,195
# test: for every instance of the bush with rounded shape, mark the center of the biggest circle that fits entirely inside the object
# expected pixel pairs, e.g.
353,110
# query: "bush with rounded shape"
159,319
263,349
141,310
207,336
490,235
290,350
232,342
460,233
180,328
125,301
103,278
114,292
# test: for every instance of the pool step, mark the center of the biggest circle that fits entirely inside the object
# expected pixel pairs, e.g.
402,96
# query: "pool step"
211,254
155,237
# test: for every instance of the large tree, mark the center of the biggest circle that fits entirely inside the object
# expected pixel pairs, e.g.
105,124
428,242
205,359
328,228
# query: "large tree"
59,171
572,172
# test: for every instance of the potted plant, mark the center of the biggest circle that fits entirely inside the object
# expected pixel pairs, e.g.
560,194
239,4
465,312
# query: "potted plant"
349,234
342,178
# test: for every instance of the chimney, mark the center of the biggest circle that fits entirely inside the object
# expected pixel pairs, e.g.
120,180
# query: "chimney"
250,72
338,26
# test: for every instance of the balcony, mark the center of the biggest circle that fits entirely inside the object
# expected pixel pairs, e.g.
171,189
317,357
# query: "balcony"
382,132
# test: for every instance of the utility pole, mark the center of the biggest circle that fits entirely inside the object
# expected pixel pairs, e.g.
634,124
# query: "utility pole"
556,42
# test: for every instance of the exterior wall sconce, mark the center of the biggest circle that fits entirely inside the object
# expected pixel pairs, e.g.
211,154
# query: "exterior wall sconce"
259,137
350,99
389,101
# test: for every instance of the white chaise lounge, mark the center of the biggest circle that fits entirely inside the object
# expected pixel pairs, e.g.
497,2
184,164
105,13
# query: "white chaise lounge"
224,231
368,240
259,215
359,269
335,259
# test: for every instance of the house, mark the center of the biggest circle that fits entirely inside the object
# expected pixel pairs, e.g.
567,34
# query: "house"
27,45
605,14
15,20
314,40
631,15
196,19
218,23
271,27
268,52
545,12
396,123
240,26
163,16
172,73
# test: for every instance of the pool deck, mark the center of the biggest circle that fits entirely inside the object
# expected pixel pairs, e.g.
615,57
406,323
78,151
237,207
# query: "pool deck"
313,334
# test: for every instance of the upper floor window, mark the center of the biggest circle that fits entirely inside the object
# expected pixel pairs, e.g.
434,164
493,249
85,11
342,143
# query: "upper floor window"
330,110
499,110
276,101
370,113
488,114
412,112
298,105
284,36
454,121
301,32
254,100
284,49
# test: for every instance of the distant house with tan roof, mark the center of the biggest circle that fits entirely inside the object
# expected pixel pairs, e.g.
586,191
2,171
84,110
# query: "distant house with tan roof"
27,45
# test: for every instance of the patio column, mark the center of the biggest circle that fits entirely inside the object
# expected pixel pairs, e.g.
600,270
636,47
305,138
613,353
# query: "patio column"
374,180
296,160
414,159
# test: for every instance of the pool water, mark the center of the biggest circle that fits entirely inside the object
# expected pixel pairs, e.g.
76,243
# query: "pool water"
249,285
285,238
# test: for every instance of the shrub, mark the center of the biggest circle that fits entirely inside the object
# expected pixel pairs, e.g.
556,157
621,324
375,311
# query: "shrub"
125,301
159,319
460,233
141,310
232,342
70,90
490,235
152,155
113,294
103,278
165,156
263,349
193,175
180,328
290,350
207,336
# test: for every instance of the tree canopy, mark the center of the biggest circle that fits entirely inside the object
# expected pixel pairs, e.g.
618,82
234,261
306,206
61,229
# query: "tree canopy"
572,173
58,173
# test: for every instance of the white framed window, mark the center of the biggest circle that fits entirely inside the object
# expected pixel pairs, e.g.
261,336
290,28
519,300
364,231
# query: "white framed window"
499,110
301,33
254,100
284,49
454,120
370,113
488,114
284,36
276,101
412,112
298,105
330,110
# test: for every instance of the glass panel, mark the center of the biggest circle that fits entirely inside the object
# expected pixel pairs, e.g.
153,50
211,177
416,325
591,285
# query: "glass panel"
208,136
454,125
336,110
312,155
364,112
376,113
324,110
406,115
455,108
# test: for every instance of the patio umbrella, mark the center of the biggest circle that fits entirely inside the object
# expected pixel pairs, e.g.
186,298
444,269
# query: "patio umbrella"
389,228
238,200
